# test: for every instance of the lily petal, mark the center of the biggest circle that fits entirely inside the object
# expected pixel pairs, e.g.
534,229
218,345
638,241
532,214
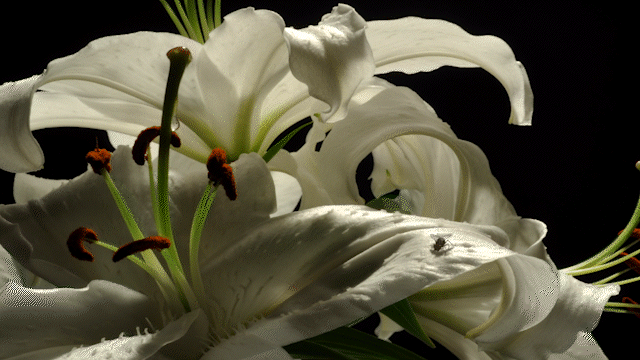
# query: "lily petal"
68,316
142,346
311,271
577,311
441,175
332,58
20,150
241,62
413,44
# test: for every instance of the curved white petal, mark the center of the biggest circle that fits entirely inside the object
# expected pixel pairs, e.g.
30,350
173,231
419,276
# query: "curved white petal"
332,58
20,150
68,316
28,187
142,346
414,151
288,193
517,307
413,44
311,271
241,62
576,312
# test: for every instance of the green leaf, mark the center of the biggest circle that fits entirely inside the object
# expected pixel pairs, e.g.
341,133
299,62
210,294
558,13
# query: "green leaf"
349,344
402,313
273,150
389,203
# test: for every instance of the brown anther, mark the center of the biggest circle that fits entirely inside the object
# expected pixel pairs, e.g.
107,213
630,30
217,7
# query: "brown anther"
632,262
145,138
629,300
635,234
99,159
222,173
151,242
76,246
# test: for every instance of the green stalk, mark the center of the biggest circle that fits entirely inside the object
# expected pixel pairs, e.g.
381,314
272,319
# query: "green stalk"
174,18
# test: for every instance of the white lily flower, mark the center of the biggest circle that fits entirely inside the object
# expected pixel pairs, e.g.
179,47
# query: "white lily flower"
269,282
239,93
481,314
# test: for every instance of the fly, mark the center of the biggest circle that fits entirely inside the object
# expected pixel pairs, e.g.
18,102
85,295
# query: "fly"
441,241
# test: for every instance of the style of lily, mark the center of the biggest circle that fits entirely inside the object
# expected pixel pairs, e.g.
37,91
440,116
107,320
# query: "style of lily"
240,92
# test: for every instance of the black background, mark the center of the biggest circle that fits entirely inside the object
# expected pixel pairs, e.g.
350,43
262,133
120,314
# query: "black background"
573,169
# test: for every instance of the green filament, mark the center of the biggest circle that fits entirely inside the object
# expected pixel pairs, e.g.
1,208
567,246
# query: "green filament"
194,18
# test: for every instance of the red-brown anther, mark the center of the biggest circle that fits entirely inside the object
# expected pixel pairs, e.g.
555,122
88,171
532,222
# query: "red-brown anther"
145,138
99,159
632,262
629,300
222,173
151,242
76,246
635,234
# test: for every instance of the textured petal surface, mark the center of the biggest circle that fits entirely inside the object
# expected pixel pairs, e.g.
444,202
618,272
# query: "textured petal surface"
332,58
311,271
38,319
141,346
413,44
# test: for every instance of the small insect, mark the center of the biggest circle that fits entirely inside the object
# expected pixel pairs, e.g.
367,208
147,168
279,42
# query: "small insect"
441,241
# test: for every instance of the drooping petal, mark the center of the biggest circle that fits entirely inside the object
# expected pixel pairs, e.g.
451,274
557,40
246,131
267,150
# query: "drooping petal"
413,44
311,271
39,319
518,307
332,58
575,313
414,151
20,150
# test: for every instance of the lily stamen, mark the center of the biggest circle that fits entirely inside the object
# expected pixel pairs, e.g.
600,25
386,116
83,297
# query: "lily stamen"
145,138
76,246
99,159
221,173
151,242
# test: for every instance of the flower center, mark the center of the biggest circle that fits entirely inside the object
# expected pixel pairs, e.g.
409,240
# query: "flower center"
181,294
